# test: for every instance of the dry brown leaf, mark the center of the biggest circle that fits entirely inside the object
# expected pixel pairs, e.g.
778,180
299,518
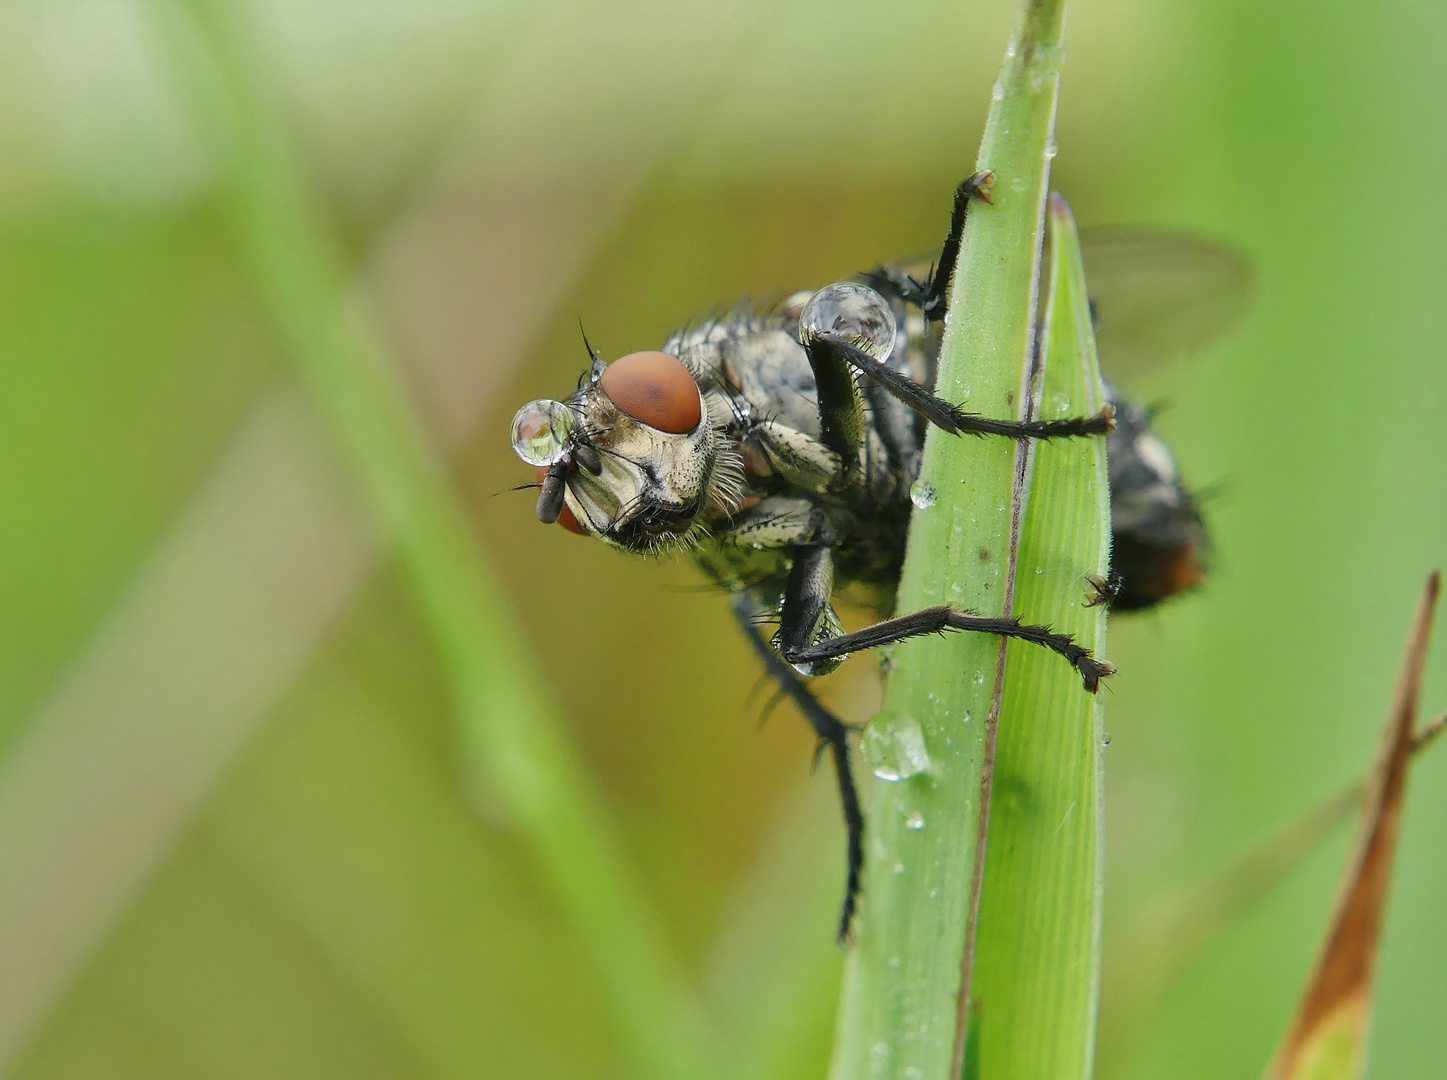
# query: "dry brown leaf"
1327,1039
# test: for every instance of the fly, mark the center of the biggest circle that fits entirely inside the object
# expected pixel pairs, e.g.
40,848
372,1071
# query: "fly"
778,450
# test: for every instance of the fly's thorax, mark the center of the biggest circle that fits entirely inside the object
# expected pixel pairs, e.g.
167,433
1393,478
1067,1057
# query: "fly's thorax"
641,460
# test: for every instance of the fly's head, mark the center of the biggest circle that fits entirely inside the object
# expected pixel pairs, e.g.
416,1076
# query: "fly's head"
637,456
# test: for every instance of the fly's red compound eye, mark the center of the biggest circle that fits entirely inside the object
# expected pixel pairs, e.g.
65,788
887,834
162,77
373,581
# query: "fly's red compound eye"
566,518
655,389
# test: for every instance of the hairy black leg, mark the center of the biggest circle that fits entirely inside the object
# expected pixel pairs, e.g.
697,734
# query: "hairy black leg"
951,417
806,595
933,297
841,413
934,620
833,735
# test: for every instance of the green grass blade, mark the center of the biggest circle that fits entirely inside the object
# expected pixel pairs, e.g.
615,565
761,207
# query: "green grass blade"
517,755
902,1009
1038,955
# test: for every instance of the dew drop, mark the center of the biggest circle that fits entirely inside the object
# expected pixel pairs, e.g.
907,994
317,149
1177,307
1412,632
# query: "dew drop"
915,821
923,494
854,312
540,431
893,744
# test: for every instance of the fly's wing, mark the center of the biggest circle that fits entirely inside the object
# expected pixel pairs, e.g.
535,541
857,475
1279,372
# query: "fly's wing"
1157,295
1161,295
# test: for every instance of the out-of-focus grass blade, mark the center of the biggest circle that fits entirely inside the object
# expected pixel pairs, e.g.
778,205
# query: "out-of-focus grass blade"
906,988
1037,960
517,753
1328,1038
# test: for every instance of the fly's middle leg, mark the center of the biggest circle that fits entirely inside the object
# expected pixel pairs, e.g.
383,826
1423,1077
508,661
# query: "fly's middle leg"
828,350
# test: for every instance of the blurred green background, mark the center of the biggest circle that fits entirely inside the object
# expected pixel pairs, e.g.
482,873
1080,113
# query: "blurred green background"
232,836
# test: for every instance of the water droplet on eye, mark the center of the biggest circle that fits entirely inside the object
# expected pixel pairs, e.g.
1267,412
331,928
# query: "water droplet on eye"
540,431
915,821
923,494
854,312
894,746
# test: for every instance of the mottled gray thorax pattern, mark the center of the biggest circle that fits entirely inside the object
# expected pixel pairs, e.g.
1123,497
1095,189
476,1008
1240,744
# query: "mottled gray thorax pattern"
755,362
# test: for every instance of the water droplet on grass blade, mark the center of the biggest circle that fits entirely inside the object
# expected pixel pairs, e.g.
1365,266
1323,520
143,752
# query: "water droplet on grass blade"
894,746
923,494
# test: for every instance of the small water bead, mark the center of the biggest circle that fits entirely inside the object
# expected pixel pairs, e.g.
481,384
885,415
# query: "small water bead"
854,312
898,868
915,821
540,431
893,744
923,494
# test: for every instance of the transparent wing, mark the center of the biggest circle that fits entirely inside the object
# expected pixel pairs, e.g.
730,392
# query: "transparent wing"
1157,295
1161,295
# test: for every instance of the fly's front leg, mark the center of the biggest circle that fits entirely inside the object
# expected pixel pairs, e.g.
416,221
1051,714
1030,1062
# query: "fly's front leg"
934,620
833,735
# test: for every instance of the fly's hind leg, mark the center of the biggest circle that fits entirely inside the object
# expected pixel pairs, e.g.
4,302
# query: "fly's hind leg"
932,296
934,620
833,735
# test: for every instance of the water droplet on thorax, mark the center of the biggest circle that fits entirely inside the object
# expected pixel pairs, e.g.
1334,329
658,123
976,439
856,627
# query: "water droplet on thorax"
923,494
894,746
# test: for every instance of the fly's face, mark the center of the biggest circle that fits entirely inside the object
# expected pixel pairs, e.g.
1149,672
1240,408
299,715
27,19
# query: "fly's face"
636,457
